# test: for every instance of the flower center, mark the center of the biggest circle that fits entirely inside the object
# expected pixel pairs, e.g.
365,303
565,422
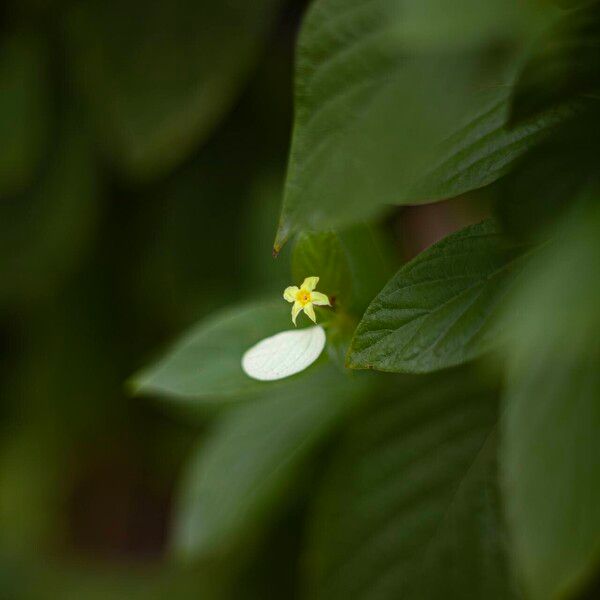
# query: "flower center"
303,296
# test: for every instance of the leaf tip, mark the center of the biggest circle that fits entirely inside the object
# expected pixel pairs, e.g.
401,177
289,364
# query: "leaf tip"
281,237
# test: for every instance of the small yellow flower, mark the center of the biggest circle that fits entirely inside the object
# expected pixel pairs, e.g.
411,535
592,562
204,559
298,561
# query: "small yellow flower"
304,297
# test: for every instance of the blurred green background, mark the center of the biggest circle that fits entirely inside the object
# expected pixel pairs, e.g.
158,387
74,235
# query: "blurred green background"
143,152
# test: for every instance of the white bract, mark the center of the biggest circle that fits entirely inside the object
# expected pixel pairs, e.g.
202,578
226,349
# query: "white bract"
284,354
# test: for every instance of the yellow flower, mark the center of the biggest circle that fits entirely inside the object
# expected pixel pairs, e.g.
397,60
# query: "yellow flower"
304,297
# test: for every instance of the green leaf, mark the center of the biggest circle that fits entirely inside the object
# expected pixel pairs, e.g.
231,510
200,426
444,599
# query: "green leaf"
206,363
564,65
438,310
240,475
46,231
551,447
550,177
378,86
409,506
323,255
160,76
24,104
482,151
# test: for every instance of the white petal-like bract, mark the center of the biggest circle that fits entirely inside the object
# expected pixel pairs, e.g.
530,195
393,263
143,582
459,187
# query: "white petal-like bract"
284,354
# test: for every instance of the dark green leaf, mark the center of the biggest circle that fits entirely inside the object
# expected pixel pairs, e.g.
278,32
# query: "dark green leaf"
378,86
438,310
409,507
238,477
551,446
564,65
206,363
160,76
547,181
481,151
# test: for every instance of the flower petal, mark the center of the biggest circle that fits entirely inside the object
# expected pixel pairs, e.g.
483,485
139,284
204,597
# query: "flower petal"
284,354
295,310
309,311
310,283
290,293
319,299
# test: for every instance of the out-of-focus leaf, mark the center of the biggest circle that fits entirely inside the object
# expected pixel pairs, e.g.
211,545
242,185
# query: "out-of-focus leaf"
24,110
239,476
378,86
206,363
323,255
45,232
409,507
547,181
564,65
160,76
482,151
438,310
550,446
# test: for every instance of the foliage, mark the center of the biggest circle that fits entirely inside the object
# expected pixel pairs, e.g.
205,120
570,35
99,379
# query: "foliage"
144,196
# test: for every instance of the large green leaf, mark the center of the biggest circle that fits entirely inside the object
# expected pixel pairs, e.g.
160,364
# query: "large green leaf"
24,110
563,66
160,76
482,150
238,477
551,442
206,362
378,86
549,178
439,309
409,507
